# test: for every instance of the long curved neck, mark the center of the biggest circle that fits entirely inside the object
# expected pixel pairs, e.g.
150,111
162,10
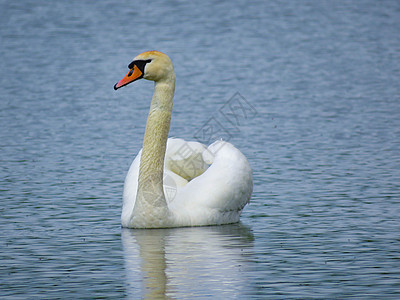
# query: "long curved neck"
150,200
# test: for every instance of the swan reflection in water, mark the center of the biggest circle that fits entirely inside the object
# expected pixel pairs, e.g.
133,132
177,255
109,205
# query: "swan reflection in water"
186,262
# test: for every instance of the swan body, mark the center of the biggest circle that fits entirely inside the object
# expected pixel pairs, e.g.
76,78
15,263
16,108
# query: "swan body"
175,183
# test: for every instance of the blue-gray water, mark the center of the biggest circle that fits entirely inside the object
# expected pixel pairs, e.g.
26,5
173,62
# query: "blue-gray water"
324,145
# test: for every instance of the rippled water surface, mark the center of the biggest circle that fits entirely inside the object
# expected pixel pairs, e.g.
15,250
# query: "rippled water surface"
323,141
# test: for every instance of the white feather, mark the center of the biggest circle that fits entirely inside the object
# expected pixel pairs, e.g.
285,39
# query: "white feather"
217,196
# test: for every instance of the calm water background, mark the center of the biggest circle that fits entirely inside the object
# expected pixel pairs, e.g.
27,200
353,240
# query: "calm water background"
324,146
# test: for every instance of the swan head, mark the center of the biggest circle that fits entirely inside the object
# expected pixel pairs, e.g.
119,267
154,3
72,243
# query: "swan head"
151,65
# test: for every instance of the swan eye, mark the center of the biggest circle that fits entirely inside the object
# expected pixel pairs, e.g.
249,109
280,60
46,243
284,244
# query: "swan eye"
140,64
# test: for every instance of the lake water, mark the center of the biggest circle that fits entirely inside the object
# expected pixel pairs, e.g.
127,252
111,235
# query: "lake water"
321,80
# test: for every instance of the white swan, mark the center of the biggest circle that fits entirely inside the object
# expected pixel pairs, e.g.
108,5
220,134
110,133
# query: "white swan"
174,183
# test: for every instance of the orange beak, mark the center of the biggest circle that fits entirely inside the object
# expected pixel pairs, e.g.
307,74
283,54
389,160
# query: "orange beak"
133,74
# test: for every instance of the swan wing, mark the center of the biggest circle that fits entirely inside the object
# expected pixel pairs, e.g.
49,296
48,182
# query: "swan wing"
185,158
130,189
219,194
183,161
